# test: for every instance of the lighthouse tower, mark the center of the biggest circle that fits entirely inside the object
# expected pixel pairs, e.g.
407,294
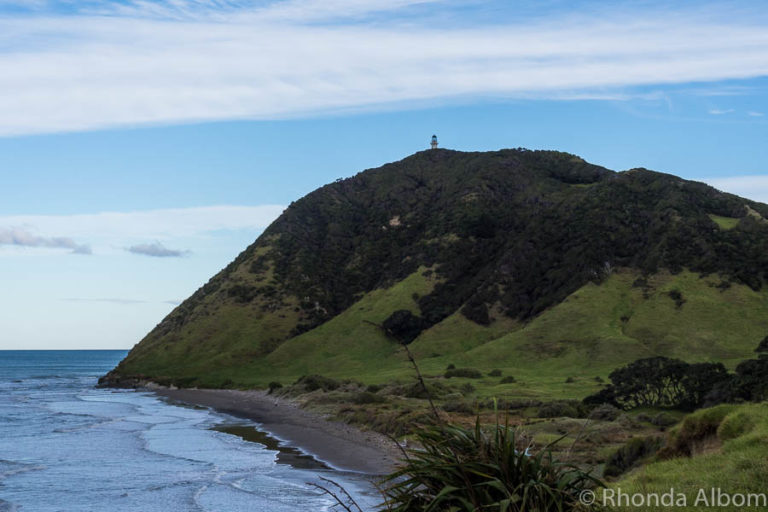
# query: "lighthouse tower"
434,142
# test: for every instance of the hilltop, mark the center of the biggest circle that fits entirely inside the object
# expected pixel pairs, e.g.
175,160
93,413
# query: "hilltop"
535,263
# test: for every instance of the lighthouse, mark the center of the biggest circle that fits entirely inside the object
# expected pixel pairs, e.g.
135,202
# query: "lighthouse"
434,142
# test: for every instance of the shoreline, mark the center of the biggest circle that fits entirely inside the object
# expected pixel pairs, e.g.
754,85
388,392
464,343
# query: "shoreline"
339,445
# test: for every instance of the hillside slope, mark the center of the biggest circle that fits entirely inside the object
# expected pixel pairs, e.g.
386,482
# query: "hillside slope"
534,261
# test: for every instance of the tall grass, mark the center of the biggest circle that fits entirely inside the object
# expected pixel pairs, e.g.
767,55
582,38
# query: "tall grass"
476,469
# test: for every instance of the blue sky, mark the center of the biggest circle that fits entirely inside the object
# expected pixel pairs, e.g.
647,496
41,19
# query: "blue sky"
143,144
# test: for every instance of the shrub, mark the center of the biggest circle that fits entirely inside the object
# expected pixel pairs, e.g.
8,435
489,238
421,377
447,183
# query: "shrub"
505,404
570,380
507,380
460,406
458,468
450,367
631,454
374,388
404,326
315,382
735,425
676,296
366,397
416,390
559,408
663,420
695,431
469,373
273,386
466,388
661,382
604,412
495,373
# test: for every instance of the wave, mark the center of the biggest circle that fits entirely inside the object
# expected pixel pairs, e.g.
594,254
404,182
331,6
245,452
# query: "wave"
10,468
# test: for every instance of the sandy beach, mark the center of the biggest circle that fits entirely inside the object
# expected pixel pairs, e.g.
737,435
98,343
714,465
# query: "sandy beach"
337,444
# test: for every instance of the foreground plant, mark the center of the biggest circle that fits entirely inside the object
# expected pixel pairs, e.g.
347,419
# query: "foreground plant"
469,469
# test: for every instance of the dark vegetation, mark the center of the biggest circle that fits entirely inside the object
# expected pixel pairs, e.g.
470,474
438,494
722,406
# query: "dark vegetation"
675,384
521,234
460,468
632,454
469,373
511,232
661,382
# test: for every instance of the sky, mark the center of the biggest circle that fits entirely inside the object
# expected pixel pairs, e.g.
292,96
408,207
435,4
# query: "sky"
144,144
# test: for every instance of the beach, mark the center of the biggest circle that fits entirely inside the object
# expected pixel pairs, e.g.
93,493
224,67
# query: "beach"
337,444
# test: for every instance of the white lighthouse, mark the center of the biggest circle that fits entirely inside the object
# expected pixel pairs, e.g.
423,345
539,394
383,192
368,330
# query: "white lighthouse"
434,142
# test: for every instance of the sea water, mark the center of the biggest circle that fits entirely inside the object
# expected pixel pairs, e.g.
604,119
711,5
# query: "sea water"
68,446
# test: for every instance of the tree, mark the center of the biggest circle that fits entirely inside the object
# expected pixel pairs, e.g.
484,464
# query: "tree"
661,382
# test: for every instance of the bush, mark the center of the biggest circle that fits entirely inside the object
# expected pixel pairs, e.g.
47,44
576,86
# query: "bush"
366,397
631,454
505,404
416,390
735,425
466,389
404,326
315,382
570,380
458,468
507,380
604,412
469,373
662,382
273,386
494,373
696,430
560,408
663,420
451,367
460,406
374,388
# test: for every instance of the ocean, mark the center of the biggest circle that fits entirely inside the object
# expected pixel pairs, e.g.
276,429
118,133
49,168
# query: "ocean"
68,446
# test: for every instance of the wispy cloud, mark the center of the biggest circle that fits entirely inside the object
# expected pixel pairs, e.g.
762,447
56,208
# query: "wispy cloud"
156,250
23,238
752,113
151,224
720,112
113,231
137,62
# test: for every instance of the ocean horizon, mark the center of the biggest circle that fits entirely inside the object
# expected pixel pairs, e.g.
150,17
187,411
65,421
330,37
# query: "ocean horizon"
66,445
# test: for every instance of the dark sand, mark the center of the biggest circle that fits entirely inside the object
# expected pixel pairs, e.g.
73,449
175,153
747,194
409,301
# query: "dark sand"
339,445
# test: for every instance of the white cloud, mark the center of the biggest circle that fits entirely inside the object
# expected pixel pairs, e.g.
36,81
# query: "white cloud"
184,61
753,187
752,113
720,112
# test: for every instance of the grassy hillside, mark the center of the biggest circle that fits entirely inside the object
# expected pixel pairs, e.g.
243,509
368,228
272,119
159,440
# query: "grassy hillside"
534,263
729,445
593,331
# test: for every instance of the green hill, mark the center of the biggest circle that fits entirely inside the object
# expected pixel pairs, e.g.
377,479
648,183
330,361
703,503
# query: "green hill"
533,262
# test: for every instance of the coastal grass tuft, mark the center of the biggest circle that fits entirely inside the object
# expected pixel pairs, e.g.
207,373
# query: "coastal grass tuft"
459,468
